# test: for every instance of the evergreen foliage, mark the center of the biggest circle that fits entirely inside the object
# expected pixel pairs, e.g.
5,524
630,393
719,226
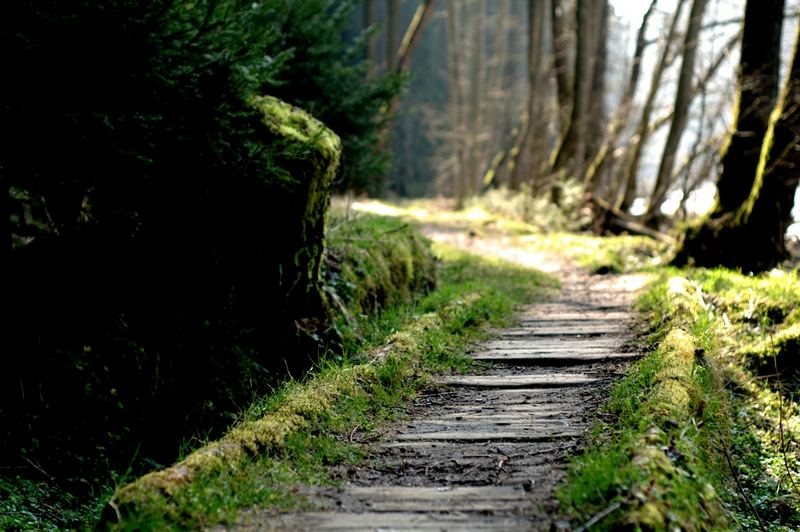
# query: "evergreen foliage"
144,204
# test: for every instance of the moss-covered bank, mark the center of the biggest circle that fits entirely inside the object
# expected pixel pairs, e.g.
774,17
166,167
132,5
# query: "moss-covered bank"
693,439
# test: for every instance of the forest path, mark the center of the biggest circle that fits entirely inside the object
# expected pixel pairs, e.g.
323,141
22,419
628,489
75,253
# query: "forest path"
486,449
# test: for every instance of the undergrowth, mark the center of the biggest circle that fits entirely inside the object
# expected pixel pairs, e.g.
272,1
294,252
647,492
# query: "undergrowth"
698,435
291,437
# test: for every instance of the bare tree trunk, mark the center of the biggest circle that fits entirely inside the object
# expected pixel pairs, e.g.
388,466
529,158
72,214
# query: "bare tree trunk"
392,20
596,124
602,159
768,210
370,14
751,237
477,99
758,92
631,169
683,99
529,132
455,89
496,96
561,46
572,151
413,35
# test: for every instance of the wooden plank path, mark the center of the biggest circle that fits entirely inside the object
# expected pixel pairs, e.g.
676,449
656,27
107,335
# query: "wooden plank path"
486,450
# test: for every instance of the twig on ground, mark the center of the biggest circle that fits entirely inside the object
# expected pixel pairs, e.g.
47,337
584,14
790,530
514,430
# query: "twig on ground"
739,486
596,518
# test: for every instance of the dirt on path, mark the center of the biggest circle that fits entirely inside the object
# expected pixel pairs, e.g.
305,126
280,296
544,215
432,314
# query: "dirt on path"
486,449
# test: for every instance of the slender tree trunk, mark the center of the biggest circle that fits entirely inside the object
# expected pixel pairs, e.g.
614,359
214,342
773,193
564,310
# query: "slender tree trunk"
413,34
572,151
411,38
603,158
456,91
370,15
596,123
529,136
496,73
631,169
683,99
561,46
759,81
392,20
476,110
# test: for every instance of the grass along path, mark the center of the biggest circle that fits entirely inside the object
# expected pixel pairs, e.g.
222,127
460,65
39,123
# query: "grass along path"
318,423
485,449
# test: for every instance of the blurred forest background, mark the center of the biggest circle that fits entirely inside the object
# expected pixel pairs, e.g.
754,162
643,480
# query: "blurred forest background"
493,85
144,183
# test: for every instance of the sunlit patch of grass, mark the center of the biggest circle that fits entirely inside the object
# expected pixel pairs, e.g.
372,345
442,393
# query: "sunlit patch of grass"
292,436
490,217
650,462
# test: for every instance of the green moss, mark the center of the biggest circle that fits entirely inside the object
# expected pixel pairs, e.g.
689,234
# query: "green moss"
653,456
290,122
724,322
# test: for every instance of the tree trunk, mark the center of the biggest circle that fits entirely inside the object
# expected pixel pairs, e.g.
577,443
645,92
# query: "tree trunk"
572,151
413,34
370,10
752,236
758,92
561,46
497,98
456,97
392,17
683,99
604,155
596,122
631,169
476,110
768,210
529,135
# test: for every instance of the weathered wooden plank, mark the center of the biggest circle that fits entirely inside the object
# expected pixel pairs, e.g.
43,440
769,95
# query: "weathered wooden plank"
545,359
554,342
520,435
518,381
374,521
574,315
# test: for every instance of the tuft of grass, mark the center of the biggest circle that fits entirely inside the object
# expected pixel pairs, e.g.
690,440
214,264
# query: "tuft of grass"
288,439
692,437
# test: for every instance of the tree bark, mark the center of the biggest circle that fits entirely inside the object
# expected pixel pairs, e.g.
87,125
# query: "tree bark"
476,110
597,111
456,97
392,17
561,45
759,81
572,151
370,15
529,131
683,99
752,236
768,210
603,158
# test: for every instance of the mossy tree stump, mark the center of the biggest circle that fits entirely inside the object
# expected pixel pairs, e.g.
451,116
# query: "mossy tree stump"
306,165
